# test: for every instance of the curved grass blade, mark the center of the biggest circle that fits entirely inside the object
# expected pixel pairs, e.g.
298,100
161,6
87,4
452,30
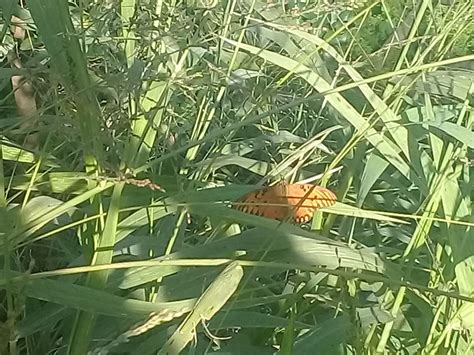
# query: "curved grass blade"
211,301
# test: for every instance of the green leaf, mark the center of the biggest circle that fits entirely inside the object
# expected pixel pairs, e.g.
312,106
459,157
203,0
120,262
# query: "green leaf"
460,133
85,298
211,301
326,337
287,244
251,319
84,323
286,347
48,213
387,148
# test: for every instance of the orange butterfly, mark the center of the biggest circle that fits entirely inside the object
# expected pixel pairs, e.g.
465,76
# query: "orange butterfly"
283,200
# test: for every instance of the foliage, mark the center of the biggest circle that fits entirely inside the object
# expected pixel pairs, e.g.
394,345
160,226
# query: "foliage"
127,128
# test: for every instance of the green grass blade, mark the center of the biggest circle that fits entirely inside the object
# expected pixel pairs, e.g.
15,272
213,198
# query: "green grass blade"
84,323
211,301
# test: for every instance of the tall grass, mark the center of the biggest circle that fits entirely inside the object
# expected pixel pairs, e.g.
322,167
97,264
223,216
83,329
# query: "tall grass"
149,118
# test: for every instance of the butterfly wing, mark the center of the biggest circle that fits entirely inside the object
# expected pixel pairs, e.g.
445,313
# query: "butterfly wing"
268,202
280,201
306,198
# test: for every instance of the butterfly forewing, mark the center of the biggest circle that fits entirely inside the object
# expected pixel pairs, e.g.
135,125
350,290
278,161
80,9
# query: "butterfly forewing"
321,197
266,202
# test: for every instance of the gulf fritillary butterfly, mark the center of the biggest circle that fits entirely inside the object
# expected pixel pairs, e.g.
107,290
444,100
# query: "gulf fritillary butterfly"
297,201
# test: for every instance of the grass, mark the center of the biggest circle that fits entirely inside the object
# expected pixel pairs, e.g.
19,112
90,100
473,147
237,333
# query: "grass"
128,128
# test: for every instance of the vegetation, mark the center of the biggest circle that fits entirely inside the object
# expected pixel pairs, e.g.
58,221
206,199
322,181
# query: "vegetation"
128,128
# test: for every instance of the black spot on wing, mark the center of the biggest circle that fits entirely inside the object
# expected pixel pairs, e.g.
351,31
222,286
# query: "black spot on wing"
303,219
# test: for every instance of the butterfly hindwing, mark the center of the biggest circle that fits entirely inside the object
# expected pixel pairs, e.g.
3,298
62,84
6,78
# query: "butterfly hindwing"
307,198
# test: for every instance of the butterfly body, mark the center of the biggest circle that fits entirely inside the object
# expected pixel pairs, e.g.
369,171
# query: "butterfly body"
283,200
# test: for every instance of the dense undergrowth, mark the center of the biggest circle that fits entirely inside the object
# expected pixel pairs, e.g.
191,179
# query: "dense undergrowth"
127,128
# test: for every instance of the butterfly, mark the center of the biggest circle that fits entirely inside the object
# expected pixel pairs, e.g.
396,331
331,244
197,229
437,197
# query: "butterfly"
297,201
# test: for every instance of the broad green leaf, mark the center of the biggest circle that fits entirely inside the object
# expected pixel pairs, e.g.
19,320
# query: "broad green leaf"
13,152
289,244
25,229
85,298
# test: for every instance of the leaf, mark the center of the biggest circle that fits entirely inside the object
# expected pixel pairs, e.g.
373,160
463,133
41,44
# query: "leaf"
49,213
460,133
255,166
85,298
388,117
465,276
41,317
13,152
80,336
373,315
373,169
287,244
439,113
287,343
448,83
40,205
325,337
211,301
387,148
464,319
251,319
238,76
